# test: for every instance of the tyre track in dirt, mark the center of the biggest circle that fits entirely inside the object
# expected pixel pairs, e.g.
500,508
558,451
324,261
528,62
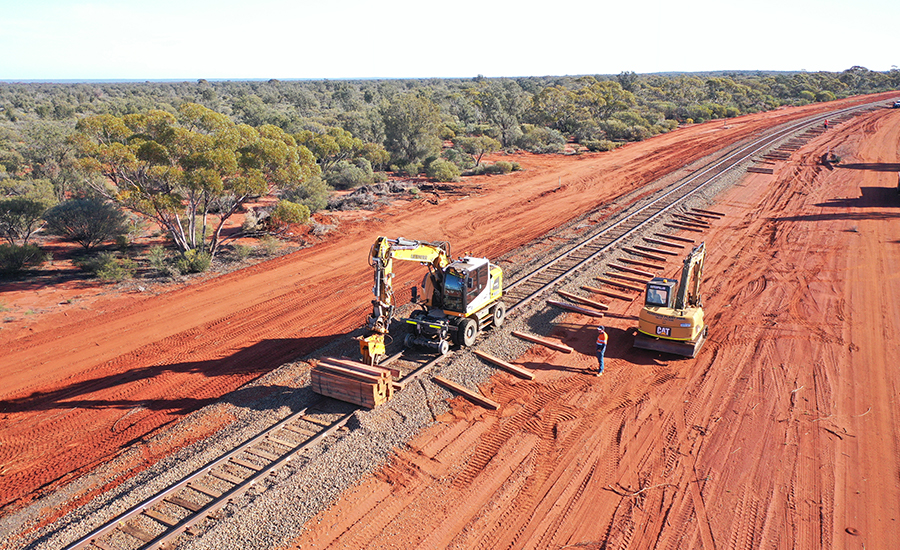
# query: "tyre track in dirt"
176,351
771,437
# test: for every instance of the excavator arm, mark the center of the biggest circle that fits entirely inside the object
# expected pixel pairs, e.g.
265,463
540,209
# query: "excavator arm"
691,274
381,258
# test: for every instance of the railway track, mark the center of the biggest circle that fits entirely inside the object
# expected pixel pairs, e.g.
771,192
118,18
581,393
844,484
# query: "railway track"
159,520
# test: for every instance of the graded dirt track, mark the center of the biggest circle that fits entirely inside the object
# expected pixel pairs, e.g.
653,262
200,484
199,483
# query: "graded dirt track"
781,433
79,386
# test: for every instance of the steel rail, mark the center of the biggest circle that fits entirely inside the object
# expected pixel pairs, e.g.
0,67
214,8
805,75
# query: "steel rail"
203,511
726,164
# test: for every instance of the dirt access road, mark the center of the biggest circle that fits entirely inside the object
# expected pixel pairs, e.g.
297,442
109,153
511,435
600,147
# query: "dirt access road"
781,433
82,381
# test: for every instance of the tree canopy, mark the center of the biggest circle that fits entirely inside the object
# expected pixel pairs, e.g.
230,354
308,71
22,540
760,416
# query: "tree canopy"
190,173
189,155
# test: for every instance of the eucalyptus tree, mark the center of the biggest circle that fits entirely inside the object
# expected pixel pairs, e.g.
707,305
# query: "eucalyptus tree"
411,126
189,173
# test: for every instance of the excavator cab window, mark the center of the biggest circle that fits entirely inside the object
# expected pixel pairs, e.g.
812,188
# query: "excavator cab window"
454,290
657,295
476,282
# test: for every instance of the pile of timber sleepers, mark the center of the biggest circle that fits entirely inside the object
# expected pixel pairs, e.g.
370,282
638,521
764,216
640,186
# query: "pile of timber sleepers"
357,383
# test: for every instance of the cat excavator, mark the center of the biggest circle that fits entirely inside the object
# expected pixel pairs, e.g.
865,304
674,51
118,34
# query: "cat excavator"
460,297
672,318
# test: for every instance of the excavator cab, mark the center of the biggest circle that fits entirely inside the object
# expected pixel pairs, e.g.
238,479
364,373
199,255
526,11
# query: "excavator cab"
660,292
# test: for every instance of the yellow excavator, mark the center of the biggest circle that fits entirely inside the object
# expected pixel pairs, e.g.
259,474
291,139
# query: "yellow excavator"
460,297
672,318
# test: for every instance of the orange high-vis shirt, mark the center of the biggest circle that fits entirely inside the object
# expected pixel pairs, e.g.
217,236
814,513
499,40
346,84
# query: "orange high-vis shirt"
602,338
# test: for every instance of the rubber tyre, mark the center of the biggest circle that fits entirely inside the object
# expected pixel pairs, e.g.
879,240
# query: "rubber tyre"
499,314
466,332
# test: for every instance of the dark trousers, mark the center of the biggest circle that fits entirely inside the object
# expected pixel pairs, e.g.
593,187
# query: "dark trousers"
601,350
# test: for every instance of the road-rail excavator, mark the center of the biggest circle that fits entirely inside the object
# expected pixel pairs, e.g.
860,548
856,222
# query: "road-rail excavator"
672,318
460,297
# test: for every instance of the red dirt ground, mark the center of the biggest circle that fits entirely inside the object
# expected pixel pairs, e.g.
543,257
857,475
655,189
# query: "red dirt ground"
85,380
781,433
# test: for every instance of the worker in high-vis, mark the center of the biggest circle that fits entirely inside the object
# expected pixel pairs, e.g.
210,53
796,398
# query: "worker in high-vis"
602,339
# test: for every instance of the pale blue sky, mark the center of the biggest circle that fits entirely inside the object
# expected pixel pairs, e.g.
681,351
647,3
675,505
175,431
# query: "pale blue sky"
261,39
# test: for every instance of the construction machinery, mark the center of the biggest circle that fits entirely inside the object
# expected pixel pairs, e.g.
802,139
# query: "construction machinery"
459,298
672,318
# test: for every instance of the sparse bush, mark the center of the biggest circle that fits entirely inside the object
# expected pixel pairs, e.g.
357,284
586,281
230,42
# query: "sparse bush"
268,246
242,251
193,261
14,258
106,267
251,221
20,217
320,229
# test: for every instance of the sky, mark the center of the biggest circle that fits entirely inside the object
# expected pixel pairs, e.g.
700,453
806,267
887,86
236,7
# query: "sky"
53,40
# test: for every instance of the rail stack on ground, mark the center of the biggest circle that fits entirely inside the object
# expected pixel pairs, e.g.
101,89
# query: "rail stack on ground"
353,382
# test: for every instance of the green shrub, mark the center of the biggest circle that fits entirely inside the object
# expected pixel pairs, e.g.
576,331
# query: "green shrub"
242,251
346,175
503,166
458,157
161,262
268,246
537,139
106,267
193,261
442,170
86,221
15,258
600,145
499,167
287,212
312,193
412,169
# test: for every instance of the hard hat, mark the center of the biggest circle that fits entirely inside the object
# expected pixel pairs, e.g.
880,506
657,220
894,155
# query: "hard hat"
601,328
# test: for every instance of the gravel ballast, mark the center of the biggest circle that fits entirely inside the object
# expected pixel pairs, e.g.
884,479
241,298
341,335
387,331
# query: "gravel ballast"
274,511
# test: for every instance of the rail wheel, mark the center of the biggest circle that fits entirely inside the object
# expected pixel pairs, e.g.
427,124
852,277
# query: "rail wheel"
499,314
466,332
